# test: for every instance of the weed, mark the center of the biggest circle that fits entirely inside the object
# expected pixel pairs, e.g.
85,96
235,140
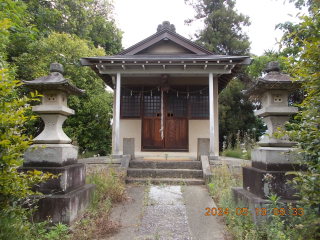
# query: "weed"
146,196
59,231
109,190
181,185
154,165
152,202
273,227
157,234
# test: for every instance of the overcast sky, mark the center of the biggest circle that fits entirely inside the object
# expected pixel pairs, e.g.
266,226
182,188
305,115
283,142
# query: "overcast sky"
138,19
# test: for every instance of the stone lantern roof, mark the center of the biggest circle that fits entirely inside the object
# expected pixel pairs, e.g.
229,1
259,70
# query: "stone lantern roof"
54,81
274,80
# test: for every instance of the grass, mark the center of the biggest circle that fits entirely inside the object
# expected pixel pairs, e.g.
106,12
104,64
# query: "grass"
237,153
110,190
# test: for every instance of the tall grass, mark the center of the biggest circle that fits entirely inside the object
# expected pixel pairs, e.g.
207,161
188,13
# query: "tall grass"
242,227
110,189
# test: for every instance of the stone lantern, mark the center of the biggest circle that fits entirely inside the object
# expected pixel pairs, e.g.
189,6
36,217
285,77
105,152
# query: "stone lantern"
67,196
53,111
274,156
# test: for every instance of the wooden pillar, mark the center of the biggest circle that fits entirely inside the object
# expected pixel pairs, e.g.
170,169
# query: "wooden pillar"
116,152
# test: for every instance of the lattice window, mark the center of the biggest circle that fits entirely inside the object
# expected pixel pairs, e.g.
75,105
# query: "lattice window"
177,104
199,102
131,102
151,103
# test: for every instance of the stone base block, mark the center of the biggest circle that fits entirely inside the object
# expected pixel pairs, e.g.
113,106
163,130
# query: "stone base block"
206,168
253,180
71,177
214,157
272,142
50,155
65,208
203,147
255,204
116,156
128,147
275,159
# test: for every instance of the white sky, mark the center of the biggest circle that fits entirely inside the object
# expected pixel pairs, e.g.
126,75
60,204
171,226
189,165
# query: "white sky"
139,19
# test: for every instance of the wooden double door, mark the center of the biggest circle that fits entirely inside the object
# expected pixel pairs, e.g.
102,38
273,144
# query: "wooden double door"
175,122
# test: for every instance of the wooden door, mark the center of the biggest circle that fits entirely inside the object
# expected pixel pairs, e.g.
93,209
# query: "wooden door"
151,122
175,122
176,129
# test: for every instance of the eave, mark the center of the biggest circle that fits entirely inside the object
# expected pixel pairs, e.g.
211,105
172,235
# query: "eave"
225,67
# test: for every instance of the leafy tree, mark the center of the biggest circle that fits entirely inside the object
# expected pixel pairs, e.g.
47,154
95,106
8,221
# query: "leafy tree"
15,187
90,126
256,69
88,19
223,27
236,113
305,66
21,30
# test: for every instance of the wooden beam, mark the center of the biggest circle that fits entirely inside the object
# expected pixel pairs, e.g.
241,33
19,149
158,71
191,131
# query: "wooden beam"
166,71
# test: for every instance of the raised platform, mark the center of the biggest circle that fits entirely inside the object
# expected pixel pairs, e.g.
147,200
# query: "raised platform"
71,177
65,208
253,179
256,204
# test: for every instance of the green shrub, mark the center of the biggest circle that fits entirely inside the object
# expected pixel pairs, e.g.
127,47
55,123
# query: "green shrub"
15,187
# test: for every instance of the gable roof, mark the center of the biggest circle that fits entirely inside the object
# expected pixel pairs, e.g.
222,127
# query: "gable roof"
138,59
169,34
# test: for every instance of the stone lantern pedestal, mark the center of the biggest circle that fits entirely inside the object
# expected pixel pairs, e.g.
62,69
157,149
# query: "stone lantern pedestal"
274,156
66,197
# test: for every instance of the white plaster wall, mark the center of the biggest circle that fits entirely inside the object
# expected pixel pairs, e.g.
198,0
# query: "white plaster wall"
130,128
197,129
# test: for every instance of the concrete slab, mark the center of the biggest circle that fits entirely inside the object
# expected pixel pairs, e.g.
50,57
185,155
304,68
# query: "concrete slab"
165,222
170,212
197,199
169,195
129,214
99,160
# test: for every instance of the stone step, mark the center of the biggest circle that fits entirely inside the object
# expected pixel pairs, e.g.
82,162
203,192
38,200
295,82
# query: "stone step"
168,181
164,173
165,164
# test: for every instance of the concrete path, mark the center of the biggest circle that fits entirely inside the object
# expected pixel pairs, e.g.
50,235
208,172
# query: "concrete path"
168,212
